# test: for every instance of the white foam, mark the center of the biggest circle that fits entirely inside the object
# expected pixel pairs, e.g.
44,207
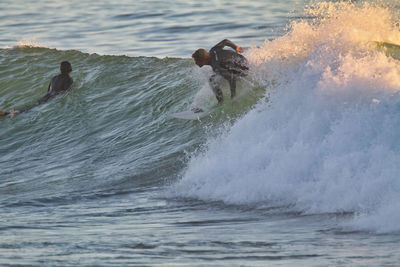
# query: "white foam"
27,42
327,141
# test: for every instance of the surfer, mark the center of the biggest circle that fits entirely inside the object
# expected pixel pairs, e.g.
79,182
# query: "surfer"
58,84
226,64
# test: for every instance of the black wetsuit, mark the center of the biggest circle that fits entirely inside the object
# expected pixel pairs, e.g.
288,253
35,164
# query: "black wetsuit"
57,85
227,64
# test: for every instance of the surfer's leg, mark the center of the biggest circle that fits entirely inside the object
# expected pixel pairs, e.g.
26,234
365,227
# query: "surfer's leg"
232,84
215,86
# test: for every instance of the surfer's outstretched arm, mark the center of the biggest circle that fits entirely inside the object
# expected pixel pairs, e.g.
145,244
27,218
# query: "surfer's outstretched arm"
214,82
12,113
229,43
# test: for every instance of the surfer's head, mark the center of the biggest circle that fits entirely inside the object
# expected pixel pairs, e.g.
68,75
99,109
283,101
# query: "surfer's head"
201,57
65,67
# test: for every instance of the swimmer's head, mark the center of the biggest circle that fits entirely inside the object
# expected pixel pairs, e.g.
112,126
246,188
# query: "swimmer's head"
65,67
201,57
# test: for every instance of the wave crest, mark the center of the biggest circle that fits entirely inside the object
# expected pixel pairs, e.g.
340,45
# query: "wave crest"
326,139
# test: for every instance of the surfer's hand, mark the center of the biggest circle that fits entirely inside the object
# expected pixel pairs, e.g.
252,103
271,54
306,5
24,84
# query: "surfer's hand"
2,113
239,49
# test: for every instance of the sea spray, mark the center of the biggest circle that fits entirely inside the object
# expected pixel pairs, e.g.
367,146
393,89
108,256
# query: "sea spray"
326,141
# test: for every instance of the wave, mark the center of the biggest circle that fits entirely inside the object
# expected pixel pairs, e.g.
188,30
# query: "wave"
326,138
110,133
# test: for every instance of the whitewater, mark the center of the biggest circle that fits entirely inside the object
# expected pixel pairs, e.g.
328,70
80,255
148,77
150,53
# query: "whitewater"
302,169
326,139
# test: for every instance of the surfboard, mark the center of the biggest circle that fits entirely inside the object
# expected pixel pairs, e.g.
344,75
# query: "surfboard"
194,113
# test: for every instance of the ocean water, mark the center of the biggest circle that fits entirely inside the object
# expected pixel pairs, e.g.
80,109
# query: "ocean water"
302,169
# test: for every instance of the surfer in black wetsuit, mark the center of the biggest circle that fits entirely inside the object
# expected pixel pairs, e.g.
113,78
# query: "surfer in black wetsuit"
58,84
225,63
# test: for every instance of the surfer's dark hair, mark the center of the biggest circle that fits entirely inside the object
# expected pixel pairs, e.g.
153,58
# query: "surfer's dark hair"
65,67
199,54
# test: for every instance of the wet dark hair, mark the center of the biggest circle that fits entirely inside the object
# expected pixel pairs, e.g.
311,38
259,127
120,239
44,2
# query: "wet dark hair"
199,54
65,67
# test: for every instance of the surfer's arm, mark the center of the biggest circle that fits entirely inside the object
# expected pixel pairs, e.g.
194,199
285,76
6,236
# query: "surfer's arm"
42,100
12,113
229,43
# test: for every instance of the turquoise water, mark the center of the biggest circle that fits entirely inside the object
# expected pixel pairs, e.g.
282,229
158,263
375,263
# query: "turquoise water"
301,170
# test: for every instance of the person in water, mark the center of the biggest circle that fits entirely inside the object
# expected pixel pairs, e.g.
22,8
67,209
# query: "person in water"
58,84
226,64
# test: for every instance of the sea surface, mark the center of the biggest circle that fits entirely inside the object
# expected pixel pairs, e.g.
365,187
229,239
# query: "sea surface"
301,169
